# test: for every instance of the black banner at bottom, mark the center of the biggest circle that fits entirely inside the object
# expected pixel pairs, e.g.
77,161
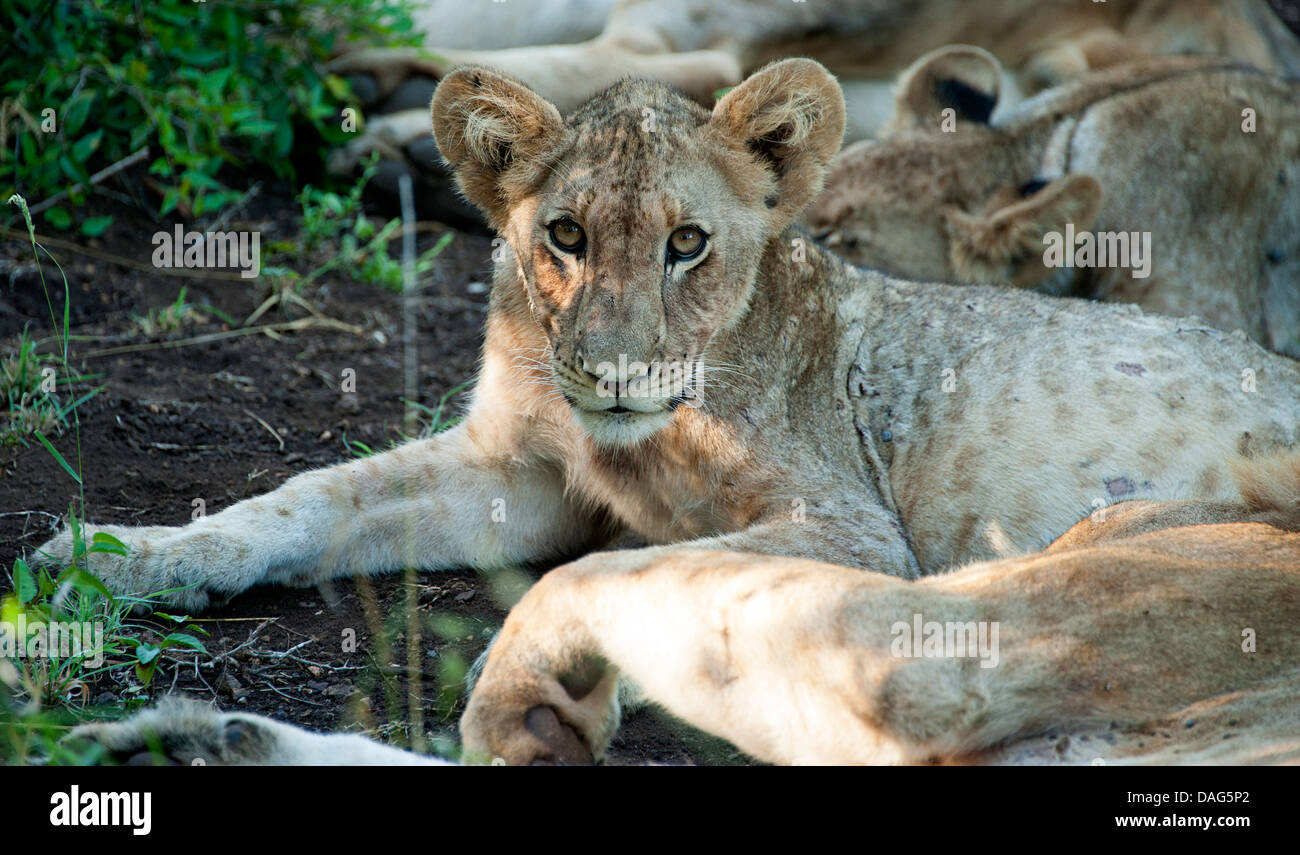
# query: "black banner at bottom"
307,804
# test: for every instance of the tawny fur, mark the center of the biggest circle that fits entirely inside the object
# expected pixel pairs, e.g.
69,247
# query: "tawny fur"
836,414
1130,650
700,46
1125,642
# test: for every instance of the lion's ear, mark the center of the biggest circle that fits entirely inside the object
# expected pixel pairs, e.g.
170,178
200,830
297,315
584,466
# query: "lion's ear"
790,114
1006,243
493,132
947,86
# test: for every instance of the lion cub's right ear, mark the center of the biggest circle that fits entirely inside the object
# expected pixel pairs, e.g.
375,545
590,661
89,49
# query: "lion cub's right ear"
952,84
1006,242
493,132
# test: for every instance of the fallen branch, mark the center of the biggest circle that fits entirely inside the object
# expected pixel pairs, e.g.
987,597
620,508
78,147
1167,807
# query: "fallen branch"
107,172
270,329
269,429
70,246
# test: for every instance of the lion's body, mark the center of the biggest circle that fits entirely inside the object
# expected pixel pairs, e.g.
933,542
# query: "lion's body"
701,45
802,662
1216,148
825,413
1152,633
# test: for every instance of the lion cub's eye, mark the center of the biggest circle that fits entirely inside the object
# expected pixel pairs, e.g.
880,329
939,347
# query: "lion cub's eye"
685,243
568,235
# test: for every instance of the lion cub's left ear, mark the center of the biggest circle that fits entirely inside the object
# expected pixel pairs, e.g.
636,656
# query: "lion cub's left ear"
1005,244
791,115
494,132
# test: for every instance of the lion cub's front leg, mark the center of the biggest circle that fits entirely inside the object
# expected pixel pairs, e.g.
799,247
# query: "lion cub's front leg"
480,495
180,732
726,641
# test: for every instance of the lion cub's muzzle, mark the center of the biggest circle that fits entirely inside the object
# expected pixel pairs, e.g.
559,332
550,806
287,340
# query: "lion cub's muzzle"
627,386
623,401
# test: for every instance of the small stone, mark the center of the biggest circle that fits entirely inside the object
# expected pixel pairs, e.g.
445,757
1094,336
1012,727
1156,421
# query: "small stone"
364,88
465,596
414,93
425,155
231,687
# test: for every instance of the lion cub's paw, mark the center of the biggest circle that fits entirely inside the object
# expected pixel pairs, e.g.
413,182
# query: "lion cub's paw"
157,559
536,736
180,732
530,719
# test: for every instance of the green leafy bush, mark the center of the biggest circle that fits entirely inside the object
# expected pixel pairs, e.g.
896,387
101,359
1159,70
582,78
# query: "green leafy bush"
206,85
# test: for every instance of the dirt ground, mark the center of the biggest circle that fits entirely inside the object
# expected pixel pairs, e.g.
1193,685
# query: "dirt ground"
227,419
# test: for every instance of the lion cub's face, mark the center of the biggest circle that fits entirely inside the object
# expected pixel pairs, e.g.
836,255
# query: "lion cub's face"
638,223
944,195
636,250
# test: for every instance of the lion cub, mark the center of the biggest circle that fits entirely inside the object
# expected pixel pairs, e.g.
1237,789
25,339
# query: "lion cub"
666,354
1187,169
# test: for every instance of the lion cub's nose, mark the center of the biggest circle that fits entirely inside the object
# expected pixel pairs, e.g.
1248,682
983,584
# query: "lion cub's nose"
613,367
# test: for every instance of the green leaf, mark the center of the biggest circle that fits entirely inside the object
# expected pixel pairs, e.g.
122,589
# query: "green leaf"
82,580
58,218
137,72
103,542
146,652
83,148
184,639
213,82
95,226
257,127
75,113
145,672
24,582
72,170
338,87
59,457
173,618
170,199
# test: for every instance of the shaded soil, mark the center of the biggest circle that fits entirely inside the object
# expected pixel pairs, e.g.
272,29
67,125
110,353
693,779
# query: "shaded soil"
176,424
